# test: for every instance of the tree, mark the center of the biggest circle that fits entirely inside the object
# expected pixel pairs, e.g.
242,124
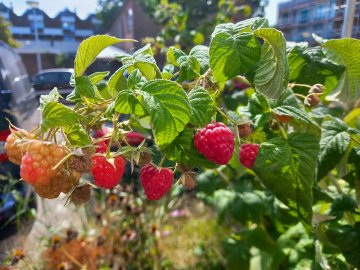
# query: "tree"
5,33
108,9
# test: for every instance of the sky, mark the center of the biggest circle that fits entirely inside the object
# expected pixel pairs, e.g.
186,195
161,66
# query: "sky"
85,7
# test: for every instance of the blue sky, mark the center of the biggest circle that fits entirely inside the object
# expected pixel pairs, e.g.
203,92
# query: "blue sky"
85,7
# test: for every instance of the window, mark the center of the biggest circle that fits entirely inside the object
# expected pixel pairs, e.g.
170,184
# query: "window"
68,26
130,20
304,16
318,28
284,19
321,12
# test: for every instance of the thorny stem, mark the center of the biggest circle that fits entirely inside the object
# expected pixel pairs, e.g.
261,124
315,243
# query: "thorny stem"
114,134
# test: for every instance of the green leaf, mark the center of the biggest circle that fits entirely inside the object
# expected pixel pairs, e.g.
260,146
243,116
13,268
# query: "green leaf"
77,136
202,106
173,55
242,26
294,112
287,168
168,107
182,150
134,79
346,52
55,114
352,119
334,143
97,77
189,68
52,96
90,48
201,53
272,74
84,87
117,81
310,66
127,103
233,53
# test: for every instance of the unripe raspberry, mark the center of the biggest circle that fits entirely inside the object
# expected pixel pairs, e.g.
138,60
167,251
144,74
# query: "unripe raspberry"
155,181
81,194
107,172
283,118
248,154
37,165
244,129
145,158
63,182
312,100
15,147
215,142
82,163
317,89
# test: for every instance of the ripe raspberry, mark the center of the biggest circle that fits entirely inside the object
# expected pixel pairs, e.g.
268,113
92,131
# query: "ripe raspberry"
215,142
107,172
134,138
156,181
283,118
15,147
101,147
37,165
248,154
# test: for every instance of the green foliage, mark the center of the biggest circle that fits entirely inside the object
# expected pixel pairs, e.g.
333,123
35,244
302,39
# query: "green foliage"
5,33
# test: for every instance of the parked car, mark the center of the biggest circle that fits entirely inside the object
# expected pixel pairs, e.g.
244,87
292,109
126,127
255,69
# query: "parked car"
18,103
48,79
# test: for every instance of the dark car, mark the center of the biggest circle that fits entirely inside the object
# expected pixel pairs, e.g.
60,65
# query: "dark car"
48,79
18,103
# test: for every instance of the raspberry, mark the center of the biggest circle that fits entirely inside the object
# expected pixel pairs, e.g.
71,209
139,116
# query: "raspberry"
312,100
107,173
156,181
244,129
15,147
37,165
317,89
145,158
283,118
81,194
82,163
215,142
101,147
64,182
248,154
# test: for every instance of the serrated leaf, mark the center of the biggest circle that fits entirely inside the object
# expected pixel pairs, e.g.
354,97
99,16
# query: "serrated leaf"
233,53
294,112
134,78
334,143
84,87
77,136
189,68
168,107
201,53
97,77
173,55
182,150
117,81
90,48
55,114
127,103
52,96
352,119
287,168
272,74
345,52
310,66
242,26
202,107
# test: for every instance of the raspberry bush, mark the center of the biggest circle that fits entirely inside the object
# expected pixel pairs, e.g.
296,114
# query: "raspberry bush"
288,144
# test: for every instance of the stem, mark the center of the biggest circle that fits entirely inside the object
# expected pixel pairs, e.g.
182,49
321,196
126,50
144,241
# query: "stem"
226,116
299,84
299,95
162,161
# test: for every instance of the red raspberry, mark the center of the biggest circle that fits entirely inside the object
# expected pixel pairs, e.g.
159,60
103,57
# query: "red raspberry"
101,147
37,165
107,172
248,154
156,181
215,142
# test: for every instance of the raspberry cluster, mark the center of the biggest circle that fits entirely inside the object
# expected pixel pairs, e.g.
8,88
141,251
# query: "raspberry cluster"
215,142
107,172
